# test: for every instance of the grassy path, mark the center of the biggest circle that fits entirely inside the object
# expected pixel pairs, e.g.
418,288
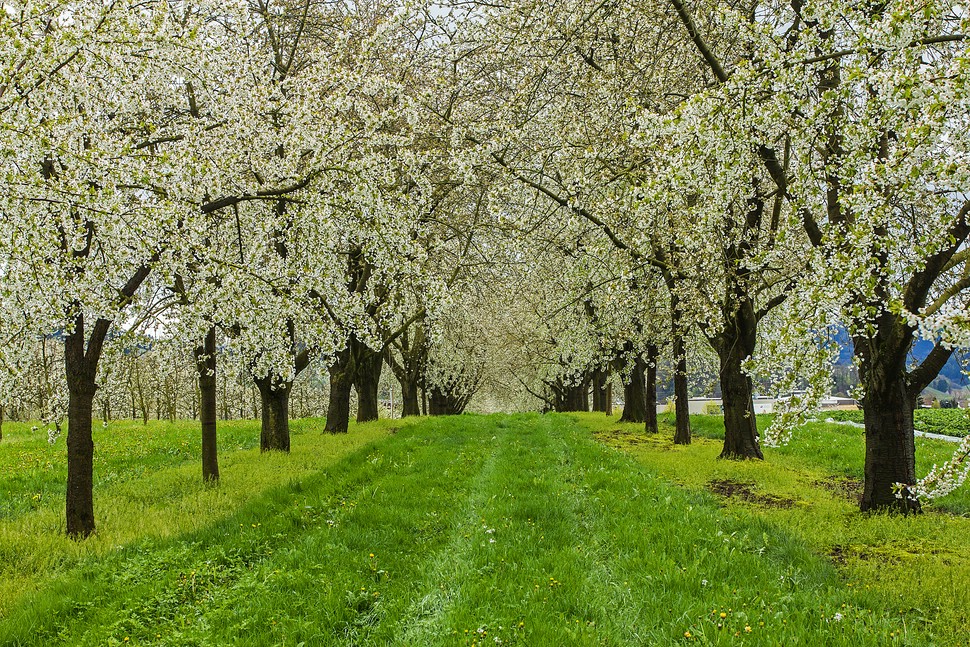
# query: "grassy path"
500,530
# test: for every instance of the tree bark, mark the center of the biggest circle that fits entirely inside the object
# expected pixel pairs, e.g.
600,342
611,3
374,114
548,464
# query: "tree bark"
81,367
650,391
571,397
409,398
438,402
600,386
681,396
583,395
205,362
890,448
367,377
341,382
634,395
444,403
80,458
274,396
740,424
888,404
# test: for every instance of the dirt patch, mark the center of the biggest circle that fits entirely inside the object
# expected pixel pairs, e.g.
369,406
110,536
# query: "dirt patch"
844,487
743,491
841,554
620,438
837,555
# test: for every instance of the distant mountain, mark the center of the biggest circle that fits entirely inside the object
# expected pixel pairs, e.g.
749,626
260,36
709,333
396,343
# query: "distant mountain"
952,371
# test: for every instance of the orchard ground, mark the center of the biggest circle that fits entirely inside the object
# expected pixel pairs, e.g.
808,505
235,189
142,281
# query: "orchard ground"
474,530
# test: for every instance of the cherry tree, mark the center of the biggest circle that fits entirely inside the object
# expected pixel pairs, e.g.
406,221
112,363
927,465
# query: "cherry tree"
858,114
85,91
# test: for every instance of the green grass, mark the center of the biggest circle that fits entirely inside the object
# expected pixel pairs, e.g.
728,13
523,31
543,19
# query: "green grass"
456,531
917,565
147,486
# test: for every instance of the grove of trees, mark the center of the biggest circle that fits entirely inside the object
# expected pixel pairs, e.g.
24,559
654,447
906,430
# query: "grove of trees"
250,207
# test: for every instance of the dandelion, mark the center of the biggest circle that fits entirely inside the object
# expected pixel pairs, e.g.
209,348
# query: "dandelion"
747,629
723,615
837,617
686,634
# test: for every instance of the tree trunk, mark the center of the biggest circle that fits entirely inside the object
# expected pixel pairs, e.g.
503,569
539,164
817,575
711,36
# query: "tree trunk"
890,448
740,424
634,397
141,397
341,382
583,395
81,372
437,402
367,378
733,346
571,397
410,405
80,457
410,370
650,392
444,403
205,362
681,396
274,396
600,385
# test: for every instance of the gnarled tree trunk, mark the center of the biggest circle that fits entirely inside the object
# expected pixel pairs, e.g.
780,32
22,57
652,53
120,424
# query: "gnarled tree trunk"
890,398
442,402
410,404
274,397
890,447
571,397
341,382
367,377
634,394
740,424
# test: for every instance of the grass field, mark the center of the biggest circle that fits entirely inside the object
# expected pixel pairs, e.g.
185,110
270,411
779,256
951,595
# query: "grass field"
512,530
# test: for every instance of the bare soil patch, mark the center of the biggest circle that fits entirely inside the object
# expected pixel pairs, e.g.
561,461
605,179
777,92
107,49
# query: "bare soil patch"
736,490
845,487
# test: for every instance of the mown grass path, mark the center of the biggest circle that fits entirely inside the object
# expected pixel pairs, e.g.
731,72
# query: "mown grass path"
499,530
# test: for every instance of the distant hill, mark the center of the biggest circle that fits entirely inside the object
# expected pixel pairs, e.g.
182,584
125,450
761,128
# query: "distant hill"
952,372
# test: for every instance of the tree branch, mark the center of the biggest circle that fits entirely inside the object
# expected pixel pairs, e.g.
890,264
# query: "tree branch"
265,194
699,42
921,376
920,283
